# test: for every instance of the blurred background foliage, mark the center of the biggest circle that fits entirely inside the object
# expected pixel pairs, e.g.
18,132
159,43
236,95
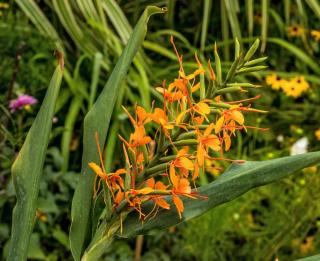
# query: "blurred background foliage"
280,220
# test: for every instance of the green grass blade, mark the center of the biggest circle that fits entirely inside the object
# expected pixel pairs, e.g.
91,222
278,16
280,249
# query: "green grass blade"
118,19
157,48
72,116
97,120
27,170
278,21
205,22
305,58
249,9
95,78
310,258
287,6
225,30
233,19
237,180
264,24
34,13
314,6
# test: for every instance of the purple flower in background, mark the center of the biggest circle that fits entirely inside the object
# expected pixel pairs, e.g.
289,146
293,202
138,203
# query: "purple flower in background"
23,101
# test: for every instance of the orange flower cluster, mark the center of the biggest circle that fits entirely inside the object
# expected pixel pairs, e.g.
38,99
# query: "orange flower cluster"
188,131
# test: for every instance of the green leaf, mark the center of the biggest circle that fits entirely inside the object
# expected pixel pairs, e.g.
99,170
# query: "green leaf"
27,170
252,50
205,22
310,258
249,10
305,58
97,120
34,13
225,30
233,19
237,180
264,24
218,66
314,6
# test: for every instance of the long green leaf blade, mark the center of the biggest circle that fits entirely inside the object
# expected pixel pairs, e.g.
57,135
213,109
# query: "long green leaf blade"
299,53
237,180
27,170
97,120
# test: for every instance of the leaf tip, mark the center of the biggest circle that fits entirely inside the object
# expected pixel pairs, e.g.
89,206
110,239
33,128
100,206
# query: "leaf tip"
60,57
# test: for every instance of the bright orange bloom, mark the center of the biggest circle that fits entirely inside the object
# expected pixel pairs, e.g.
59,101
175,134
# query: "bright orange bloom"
201,108
158,200
229,119
139,137
206,140
113,180
182,162
181,186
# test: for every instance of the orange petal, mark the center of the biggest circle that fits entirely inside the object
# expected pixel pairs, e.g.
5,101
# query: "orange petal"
144,191
150,182
185,163
120,171
202,108
184,186
174,179
227,141
162,203
196,171
198,120
97,169
195,87
213,142
237,116
208,129
183,151
160,186
180,117
179,205
141,113
219,124
200,155
119,197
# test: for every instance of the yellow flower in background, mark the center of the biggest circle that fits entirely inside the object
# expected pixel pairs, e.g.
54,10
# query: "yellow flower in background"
292,89
212,167
301,83
317,134
310,170
307,245
4,5
295,30
316,35
275,81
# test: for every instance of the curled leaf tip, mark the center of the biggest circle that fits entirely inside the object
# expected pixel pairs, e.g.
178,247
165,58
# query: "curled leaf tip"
164,9
60,57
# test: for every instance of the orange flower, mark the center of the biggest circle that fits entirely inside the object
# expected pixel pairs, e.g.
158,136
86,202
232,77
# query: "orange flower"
158,200
182,162
138,137
181,186
229,119
206,140
113,180
201,108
